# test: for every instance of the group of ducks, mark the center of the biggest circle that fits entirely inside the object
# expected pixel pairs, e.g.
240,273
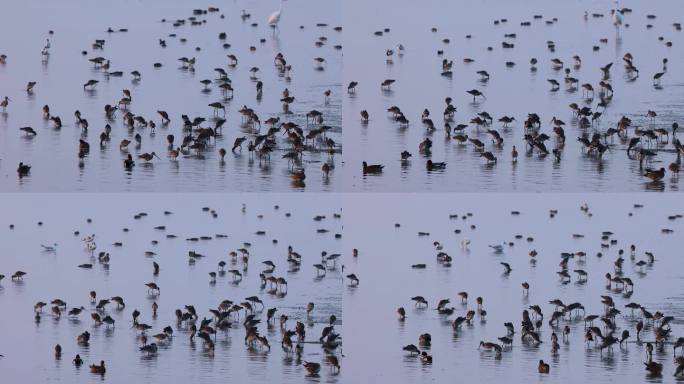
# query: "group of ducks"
643,137
303,132
221,319
604,336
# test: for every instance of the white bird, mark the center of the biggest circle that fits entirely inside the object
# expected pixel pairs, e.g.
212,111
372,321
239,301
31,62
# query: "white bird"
617,15
464,244
275,16
49,248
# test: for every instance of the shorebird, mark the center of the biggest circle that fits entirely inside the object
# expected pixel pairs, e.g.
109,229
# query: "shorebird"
320,268
489,156
657,77
148,156
218,106
4,103
386,84
151,287
420,300
489,346
90,83
274,18
475,93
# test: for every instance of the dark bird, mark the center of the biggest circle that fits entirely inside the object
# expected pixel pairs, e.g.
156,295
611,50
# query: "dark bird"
90,83
23,169
372,168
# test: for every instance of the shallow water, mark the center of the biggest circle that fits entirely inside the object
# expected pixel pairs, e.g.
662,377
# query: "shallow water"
28,346
76,25
514,91
387,282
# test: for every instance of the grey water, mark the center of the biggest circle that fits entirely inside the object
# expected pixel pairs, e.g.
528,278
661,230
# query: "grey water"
28,346
387,281
512,91
59,77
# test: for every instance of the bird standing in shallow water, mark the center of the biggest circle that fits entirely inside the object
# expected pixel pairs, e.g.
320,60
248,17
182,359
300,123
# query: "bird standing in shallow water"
274,18
4,103
148,156
617,15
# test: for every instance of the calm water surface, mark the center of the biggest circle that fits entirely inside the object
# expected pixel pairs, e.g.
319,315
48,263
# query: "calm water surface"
77,24
387,282
27,346
512,91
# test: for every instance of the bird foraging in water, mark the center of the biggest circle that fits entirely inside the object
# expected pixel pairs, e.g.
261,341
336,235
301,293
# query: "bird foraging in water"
90,83
218,106
489,156
657,77
475,93
238,143
152,287
148,156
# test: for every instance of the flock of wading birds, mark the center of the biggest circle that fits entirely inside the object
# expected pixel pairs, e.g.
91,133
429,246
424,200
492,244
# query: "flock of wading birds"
222,318
197,134
602,331
642,143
